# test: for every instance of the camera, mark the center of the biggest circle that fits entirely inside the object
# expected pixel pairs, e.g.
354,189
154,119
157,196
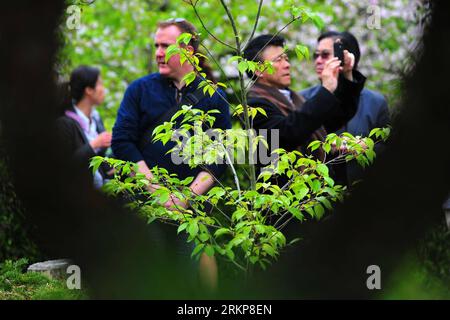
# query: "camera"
338,48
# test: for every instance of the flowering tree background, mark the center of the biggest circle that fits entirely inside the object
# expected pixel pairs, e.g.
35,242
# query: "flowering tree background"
117,37
117,56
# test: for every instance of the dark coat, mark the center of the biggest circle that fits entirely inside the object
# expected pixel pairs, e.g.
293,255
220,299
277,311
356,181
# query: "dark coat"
372,113
144,102
325,109
74,142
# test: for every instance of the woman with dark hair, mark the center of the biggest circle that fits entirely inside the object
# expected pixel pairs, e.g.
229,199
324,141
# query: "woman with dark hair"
81,129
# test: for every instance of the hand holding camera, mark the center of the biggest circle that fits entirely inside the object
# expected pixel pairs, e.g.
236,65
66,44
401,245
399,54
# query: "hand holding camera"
347,59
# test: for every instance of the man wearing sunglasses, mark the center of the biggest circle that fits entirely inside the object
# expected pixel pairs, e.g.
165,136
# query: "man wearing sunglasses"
289,116
372,109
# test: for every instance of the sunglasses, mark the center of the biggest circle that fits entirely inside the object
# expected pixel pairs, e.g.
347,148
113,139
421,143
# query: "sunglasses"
175,20
323,54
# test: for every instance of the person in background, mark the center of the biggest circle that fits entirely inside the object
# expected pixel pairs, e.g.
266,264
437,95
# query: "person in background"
372,111
81,130
153,99
295,120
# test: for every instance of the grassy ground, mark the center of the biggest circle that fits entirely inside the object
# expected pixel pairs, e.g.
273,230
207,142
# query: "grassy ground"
422,274
15,284
413,281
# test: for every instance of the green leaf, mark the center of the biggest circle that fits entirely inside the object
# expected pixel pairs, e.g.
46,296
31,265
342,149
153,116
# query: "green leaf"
221,231
260,228
322,169
197,249
329,181
242,66
317,20
234,58
253,259
216,192
163,195
315,185
230,254
151,219
209,250
294,241
187,181
369,142
238,214
325,202
302,52
193,228
211,90
370,155
302,192
171,50
262,111
326,147
203,237
269,249
374,131
319,211
348,135
176,115
182,227
189,78
184,38
296,213
314,145
330,191
349,157
95,163
296,11
311,212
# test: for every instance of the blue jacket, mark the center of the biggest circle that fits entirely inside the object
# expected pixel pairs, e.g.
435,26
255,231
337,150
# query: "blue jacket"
372,113
145,100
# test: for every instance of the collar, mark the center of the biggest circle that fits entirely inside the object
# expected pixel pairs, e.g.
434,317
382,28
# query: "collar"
82,116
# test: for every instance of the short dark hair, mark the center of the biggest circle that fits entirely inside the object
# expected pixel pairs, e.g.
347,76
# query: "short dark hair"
348,40
329,34
352,45
81,78
254,48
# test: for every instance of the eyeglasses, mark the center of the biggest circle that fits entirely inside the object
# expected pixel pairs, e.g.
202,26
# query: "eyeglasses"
325,54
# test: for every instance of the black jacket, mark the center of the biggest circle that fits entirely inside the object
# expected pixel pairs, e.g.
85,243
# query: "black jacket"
74,143
324,109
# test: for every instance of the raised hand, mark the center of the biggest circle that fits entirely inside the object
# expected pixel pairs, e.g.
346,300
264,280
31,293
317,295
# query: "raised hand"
349,62
330,74
103,140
